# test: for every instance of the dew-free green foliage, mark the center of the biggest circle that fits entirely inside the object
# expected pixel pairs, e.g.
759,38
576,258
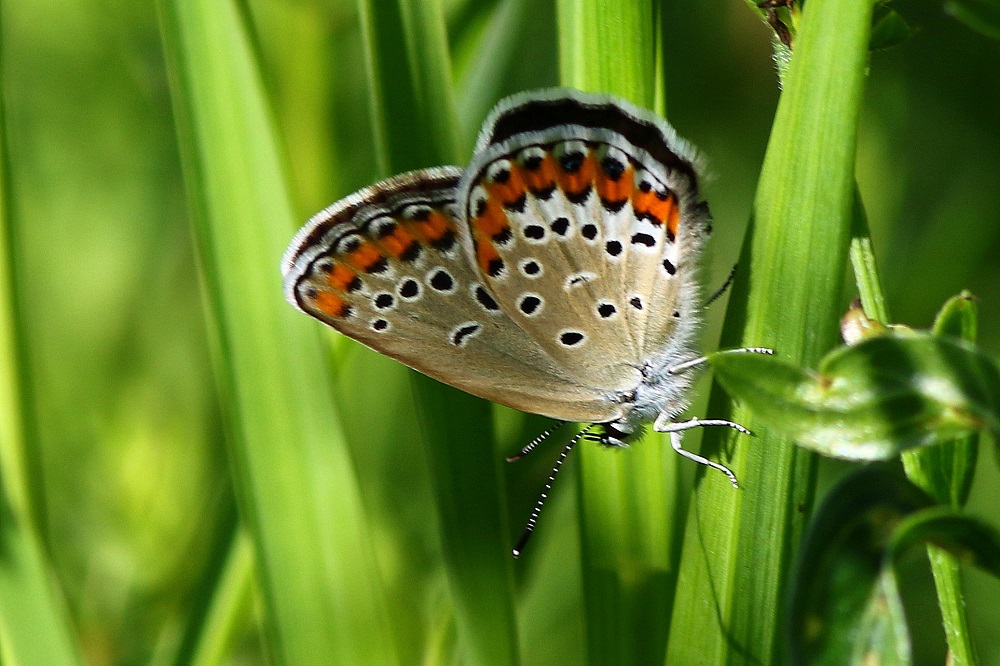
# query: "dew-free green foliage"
873,400
201,475
845,606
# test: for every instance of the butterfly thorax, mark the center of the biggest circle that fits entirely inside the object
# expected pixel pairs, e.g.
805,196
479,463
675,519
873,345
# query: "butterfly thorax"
659,391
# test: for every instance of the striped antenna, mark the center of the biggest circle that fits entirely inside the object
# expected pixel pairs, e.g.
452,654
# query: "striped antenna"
536,441
533,519
721,290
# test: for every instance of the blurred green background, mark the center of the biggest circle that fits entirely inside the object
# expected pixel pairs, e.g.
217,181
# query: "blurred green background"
138,503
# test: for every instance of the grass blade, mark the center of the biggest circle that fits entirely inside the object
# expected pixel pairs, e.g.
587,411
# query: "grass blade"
415,126
627,504
34,623
945,472
295,482
738,545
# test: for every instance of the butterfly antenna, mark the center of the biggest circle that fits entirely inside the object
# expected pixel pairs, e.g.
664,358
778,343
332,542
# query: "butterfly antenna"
725,285
533,519
535,442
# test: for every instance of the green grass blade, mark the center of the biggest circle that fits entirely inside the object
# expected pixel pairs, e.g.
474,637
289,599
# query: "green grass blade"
229,606
983,16
945,472
866,275
410,84
739,544
34,623
296,487
415,127
627,498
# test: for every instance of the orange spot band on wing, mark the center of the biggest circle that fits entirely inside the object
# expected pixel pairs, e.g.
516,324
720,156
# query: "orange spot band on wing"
615,190
493,221
365,256
673,216
331,304
341,276
433,228
510,190
543,177
657,210
581,178
486,253
398,242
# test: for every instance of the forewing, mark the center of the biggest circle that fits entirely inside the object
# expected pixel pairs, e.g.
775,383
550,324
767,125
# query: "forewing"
385,267
585,222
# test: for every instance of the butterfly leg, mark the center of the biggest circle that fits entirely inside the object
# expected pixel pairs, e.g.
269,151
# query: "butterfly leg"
663,424
695,362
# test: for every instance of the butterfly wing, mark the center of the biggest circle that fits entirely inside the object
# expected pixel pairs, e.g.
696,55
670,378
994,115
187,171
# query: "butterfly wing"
384,266
585,222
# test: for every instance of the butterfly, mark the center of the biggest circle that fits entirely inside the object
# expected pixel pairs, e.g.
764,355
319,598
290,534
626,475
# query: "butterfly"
558,273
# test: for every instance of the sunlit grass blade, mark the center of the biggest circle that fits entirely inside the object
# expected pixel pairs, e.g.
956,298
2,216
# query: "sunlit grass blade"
866,275
295,483
415,127
739,544
482,57
627,498
229,606
34,622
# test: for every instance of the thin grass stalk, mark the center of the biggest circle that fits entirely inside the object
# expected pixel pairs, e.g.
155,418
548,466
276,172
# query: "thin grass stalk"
924,467
229,608
740,544
627,507
415,127
945,473
295,483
